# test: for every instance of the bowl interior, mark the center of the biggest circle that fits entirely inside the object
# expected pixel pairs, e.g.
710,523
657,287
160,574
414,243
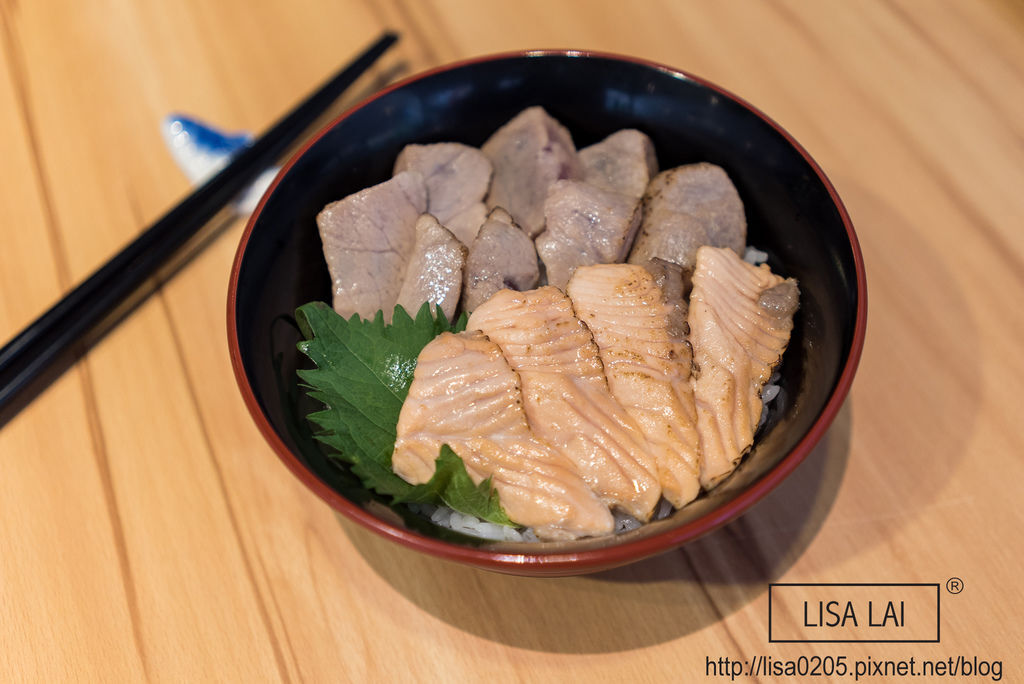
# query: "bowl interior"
791,210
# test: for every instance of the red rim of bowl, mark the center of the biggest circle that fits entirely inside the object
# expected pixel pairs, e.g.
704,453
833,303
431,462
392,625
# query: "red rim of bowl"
590,559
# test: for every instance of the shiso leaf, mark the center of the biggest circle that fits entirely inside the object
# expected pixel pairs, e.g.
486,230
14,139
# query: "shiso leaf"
452,485
363,372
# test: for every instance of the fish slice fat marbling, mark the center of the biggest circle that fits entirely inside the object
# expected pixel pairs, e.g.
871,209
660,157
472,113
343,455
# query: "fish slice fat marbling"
465,394
566,395
647,363
740,320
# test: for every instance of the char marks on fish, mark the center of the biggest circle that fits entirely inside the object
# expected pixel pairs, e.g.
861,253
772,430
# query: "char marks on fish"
566,395
740,319
647,362
465,394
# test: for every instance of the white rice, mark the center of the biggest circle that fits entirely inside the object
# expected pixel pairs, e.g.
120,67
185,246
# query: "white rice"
755,256
769,393
663,510
625,522
442,516
771,390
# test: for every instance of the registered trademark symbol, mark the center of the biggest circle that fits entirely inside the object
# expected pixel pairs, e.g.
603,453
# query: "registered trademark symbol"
954,585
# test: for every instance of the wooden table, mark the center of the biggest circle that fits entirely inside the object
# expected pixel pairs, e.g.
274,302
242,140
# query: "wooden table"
148,532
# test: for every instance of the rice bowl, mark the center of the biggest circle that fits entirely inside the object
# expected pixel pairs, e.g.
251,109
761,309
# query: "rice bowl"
793,212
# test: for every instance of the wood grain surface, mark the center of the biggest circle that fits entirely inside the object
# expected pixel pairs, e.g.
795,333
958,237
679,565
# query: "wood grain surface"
148,532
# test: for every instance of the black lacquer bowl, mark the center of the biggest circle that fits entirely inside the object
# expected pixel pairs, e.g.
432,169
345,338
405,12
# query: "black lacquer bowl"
793,213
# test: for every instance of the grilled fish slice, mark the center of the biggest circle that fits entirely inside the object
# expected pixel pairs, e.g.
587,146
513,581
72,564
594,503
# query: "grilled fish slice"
740,321
464,394
647,362
566,396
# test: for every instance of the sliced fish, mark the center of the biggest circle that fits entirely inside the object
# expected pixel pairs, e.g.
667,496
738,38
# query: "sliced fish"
435,269
740,319
686,207
647,362
566,395
457,177
500,257
623,162
585,225
368,238
529,153
464,394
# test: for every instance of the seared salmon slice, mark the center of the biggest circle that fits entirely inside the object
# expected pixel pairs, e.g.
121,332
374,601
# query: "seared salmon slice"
566,395
465,395
647,363
740,320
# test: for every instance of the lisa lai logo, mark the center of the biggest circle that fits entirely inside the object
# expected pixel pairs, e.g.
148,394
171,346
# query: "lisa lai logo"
846,613
834,614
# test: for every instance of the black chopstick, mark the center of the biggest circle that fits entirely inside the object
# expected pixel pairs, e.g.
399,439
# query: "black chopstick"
30,354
